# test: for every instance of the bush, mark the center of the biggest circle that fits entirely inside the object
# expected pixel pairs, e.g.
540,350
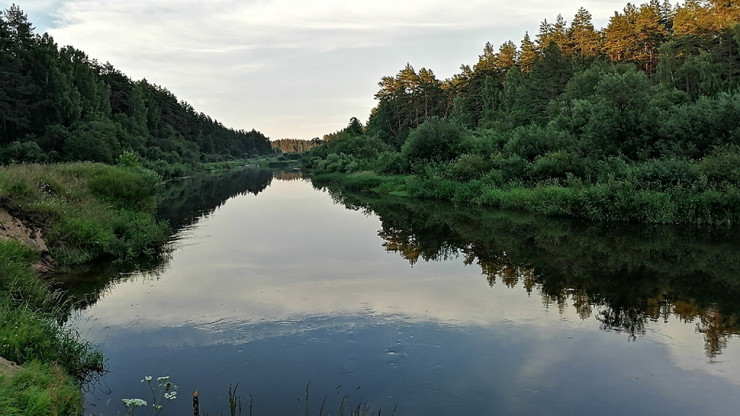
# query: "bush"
27,151
94,141
468,167
434,140
130,188
557,165
391,163
665,174
533,141
722,164
513,169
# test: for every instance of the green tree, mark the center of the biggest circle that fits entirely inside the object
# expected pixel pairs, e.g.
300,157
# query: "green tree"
553,32
434,140
584,40
528,54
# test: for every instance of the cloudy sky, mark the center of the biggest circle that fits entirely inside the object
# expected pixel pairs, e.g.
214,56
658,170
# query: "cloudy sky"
290,68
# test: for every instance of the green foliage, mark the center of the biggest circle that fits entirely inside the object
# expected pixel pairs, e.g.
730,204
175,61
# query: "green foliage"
40,390
665,174
558,165
133,188
94,141
639,124
468,167
22,151
434,140
19,286
58,104
532,141
29,330
89,210
26,335
722,165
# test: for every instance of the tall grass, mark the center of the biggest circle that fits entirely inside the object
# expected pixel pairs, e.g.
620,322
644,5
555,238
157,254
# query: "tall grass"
40,389
612,200
85,211
88,210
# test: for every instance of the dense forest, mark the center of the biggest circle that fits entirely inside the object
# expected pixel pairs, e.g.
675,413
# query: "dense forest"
57,104
638,121
295,145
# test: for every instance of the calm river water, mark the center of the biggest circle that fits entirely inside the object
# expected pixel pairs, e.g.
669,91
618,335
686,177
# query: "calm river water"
273,284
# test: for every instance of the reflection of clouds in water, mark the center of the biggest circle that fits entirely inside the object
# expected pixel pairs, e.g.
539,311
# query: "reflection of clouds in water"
290,262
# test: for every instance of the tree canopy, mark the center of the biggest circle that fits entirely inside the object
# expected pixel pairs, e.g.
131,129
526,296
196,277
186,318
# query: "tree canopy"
639,120
57,104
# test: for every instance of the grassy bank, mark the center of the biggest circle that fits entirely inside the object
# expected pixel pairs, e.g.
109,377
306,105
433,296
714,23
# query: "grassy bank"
614,200
84,211
87,210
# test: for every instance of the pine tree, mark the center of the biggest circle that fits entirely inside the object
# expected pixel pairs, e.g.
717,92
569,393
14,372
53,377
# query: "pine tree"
528,54
584,40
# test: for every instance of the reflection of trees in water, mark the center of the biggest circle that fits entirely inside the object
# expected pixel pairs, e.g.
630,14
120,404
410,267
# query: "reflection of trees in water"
288,175
182,203
624,276
85,285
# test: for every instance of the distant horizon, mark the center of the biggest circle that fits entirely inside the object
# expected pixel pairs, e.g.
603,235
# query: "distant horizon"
300,71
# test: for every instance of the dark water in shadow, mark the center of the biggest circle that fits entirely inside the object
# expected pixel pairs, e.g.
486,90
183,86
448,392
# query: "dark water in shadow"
436,309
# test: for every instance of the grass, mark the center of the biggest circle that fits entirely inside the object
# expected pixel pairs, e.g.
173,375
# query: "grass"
55,362
615,200
86,211
39,389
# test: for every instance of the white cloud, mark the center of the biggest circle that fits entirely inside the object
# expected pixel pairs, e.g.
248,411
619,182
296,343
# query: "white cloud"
270,64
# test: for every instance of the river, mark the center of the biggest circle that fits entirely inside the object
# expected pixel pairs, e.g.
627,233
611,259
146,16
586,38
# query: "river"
283,289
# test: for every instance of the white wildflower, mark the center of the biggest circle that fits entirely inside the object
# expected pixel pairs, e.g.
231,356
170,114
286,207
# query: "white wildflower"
134,402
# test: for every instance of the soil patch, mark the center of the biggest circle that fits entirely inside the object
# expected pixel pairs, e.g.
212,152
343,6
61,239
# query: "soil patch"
8,368
11,227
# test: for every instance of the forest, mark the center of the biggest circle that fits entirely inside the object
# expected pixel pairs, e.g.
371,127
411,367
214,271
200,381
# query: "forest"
638,121
295,145
57,104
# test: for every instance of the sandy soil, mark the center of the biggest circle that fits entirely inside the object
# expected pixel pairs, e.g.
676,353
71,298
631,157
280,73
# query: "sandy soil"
7,368
13,228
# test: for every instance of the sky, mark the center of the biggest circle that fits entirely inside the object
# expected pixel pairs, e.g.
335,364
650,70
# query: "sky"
291,68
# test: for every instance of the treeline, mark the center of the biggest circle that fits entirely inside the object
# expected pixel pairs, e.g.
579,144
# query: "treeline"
57,104
639,121
295,145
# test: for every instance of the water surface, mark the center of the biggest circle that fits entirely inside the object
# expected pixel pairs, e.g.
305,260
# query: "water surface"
273,284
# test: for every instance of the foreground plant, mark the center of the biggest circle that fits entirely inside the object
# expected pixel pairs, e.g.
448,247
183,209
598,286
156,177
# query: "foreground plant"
162,394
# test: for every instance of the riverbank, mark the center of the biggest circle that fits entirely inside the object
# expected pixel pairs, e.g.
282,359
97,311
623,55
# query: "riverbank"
614,200
55,216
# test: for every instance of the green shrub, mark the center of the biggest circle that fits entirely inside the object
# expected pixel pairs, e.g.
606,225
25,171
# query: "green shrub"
392,163
362,181
28,151
513,168
434,140
94,141
661,174
468,167
130,188
532,141
557,165
722,164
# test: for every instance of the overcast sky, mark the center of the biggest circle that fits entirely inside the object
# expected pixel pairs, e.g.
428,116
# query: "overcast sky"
290,68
